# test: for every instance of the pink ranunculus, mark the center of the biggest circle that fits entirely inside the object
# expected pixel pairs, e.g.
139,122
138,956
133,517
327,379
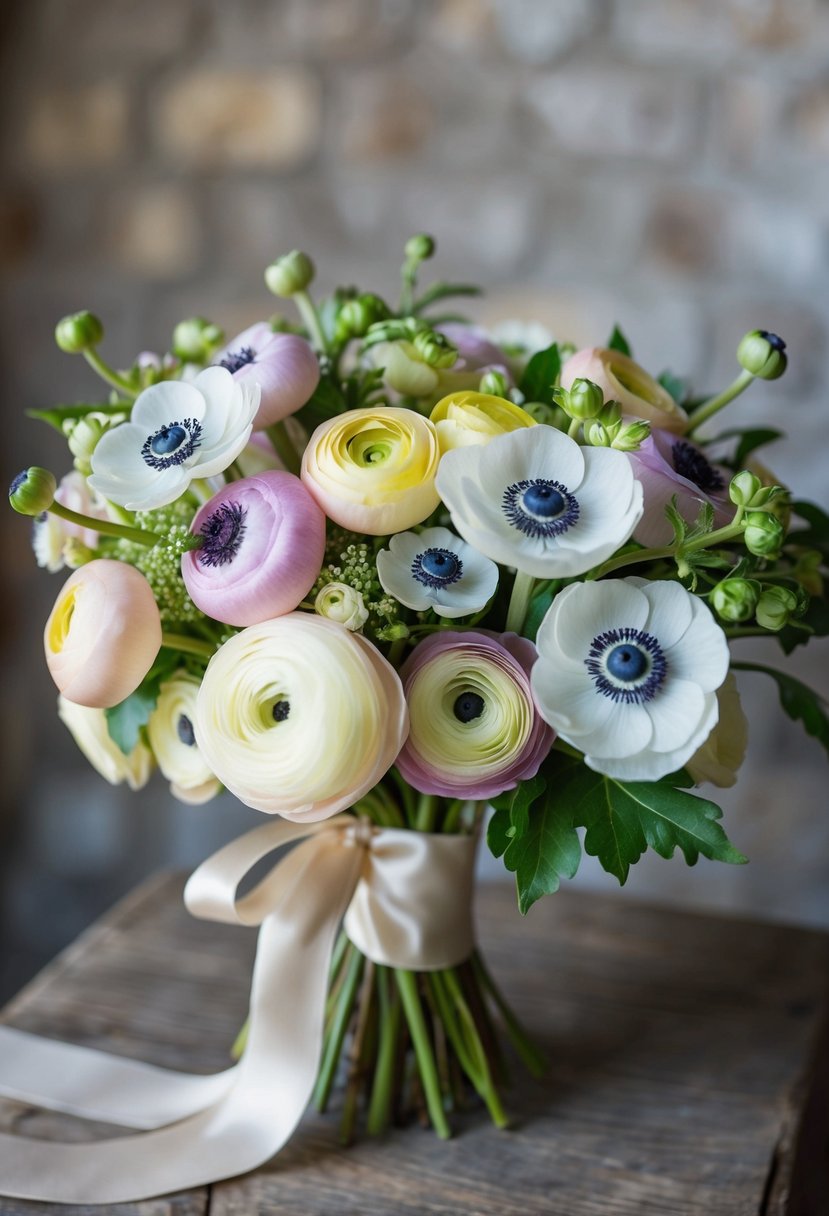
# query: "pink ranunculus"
474,728
623,380
476,350
283,365
264,540
668,466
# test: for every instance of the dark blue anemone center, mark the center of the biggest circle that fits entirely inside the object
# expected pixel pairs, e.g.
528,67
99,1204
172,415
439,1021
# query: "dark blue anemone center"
223,531
19,480
544,500
184,729
774,341
540,507
167,440
437,568
626,662
234,359
172,444
468,706
627,665
690,463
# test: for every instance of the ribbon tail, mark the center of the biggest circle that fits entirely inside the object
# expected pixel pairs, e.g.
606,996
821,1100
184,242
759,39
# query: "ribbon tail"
269,1089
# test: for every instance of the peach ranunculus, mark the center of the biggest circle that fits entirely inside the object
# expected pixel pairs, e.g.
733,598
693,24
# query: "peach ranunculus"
623,380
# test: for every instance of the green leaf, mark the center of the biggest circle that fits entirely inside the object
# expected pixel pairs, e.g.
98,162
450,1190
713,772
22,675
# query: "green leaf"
749,441
618,341
799,701
498,832
817,534
126,720
533,831
538,609
623,819
813,624
58,414
677,522
703,524
326,402
540,375
674,386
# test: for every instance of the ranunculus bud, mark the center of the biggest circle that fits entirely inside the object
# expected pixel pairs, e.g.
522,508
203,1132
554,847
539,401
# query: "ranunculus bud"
735,599
763,534
582,400
743,487
435,349
341,603
494,384
196,339
419,247
631,437
33,491
356,316
289,274
78,332
468,418
775,607
762,354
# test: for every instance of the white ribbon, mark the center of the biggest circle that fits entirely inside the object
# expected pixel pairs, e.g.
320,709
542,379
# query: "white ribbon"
407,897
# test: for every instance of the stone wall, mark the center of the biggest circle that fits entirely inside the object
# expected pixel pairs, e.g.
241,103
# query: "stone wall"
663,163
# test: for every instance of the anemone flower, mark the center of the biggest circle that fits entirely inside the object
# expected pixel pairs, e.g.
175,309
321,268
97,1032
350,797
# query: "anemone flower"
669,467
436,569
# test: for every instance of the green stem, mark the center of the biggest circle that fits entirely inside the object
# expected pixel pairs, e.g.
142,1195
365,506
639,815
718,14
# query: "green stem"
734,635
407,796
310,317
720,536
408,280
240,1042
379,1107
285,450
180,641
574,428
339,1025
481,1077
708,408
529,1053
109,375
426,814
139,536
407,985
396,651
519,602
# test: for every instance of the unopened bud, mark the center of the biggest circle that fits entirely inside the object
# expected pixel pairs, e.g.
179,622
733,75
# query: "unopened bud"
763,354
356,316
597,435
419,247
763,534
494,384
541,412
743,488
83,440
775,607
289,274
582,400
632,436
33,491
734,599
79,332
196,339
435,349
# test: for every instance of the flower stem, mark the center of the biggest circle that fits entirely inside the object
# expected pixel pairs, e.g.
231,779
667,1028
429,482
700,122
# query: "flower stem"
413,1009
426,814
708,408
285,450
379,1107
522,589
720,536
308,311
574,428
109,375
106,527
336,1035
180,641
529,1053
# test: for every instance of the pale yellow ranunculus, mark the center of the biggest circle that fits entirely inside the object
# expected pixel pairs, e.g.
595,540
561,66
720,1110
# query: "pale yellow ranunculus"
171,735
88,728
373,470
463,419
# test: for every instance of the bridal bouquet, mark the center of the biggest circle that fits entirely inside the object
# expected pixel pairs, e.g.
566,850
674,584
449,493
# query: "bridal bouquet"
382,565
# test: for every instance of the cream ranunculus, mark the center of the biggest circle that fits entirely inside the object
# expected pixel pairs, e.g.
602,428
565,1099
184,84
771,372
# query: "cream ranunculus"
722,753
341,603
299,717
88,728
462,419
373,470
173,740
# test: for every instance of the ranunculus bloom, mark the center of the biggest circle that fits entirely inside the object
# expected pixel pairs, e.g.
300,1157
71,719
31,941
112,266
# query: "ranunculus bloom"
173,740
373,470
628,673
463,419
88,728
722,753
283,365
667,467
622,380
474,729
103,634
264,541
341,603
299,717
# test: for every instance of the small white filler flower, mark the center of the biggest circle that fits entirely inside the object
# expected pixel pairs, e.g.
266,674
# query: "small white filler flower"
436,569
628,673
534,499
177,431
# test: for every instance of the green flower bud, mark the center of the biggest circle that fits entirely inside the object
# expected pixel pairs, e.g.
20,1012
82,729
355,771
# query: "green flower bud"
435,349
582,400
596,434
195,340
289,274
78,332
494,384
775,607
33,491
632,436
763,354
734,599
419,247
356,316
743,487
763,534
542,412
393,633
83,439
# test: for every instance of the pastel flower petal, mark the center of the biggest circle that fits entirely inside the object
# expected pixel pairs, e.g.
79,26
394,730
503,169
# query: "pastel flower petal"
436,569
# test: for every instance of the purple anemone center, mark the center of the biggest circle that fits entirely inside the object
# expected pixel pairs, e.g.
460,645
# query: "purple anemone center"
234,359
223,531
690,463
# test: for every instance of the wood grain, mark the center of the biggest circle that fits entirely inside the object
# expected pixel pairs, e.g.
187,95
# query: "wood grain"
681,1050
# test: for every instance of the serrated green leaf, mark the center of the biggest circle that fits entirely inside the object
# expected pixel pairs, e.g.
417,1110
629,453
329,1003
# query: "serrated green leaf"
676,521
798,700
703,524
618,341
548,850
541,374
674,386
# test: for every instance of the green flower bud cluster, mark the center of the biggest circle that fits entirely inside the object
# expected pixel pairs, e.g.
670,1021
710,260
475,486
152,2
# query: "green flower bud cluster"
494,384
737,600
356,316
196,339
33,491
435,349
161,563
747,490
82,436
79,332
632,436
289,274
607,430
353,563
762,354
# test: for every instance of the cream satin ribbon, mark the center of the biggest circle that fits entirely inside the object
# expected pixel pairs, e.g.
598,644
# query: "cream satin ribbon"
407,900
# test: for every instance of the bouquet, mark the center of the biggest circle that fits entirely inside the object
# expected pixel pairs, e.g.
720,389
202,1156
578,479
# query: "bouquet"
380,567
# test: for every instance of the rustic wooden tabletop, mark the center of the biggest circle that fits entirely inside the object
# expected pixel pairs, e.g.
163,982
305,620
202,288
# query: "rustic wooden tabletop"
687,1070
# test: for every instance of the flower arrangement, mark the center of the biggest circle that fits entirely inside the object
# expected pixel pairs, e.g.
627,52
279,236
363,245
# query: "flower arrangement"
383,563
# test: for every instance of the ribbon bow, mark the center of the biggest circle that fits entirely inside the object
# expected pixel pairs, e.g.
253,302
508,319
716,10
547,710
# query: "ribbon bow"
407,899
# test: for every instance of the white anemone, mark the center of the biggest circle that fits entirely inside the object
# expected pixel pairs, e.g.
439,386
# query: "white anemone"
436,569
534,499
173,740
176,432
628,673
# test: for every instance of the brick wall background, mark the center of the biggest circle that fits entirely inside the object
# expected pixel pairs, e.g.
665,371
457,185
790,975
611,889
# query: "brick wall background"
663,163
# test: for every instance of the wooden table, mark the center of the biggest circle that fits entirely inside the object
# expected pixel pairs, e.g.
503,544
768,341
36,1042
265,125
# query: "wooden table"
688,1074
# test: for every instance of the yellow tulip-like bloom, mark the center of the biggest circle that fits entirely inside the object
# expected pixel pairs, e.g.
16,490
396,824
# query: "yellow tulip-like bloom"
88,728
299,717
462,419
173,740
103,633
623,380
373,470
